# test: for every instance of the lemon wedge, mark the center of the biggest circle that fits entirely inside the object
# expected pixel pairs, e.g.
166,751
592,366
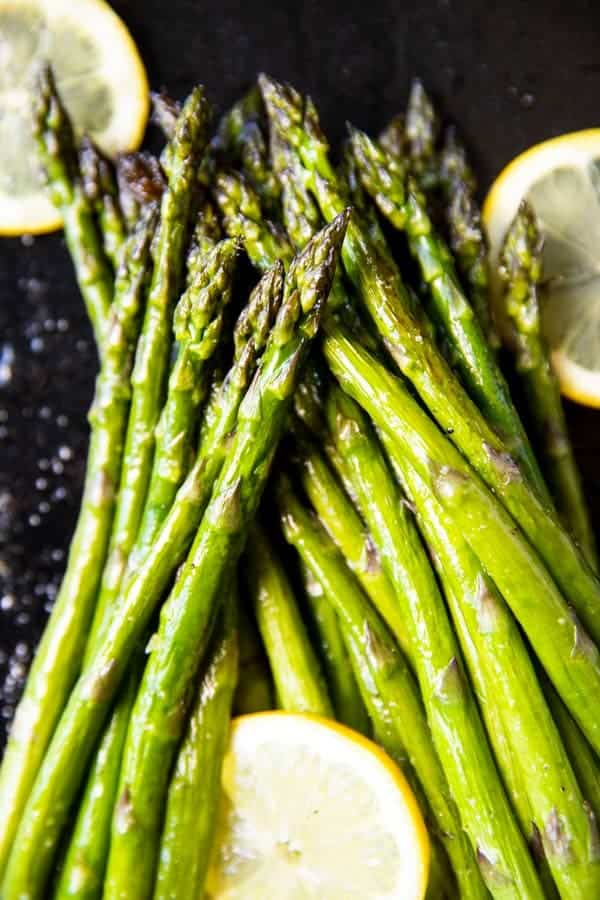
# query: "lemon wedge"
561,180
99,75
311,808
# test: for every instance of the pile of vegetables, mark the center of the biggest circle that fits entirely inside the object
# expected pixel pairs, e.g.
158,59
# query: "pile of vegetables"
440,594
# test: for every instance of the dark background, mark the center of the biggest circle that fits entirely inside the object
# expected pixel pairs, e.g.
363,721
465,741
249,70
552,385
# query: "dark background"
509,76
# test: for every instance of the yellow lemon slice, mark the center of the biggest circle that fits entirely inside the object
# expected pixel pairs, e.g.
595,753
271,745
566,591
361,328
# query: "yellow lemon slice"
100,77
311,809
561,180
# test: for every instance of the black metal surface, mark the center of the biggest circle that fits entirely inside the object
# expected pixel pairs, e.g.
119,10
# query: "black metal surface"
509,76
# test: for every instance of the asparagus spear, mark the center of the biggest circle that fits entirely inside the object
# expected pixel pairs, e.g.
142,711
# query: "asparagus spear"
76,735
560,642
254,692
421,131
165,111
153,352
386,683
299,682
140,180
520,271
198,322
468,239
410,346
195,787
581,755
452,712
198,326
60,652
527,745
338,515
404,207
100,187
242,217
241,140
188,614
347,701
58,157
82,870
393,137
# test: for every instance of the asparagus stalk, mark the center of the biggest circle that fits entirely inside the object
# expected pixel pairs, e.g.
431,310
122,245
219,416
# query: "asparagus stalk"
58,157
560,642
140,180
241,140
165,111
389,690
188,614
581,755
254,692
76,735
299,682
411,348
468,239
337,513
347,701
421,131
452,712
474,358
454,165
242,217
532,759
82,870
100,187
153,352
520,271
59,655
198,323
198,327
393,137
195,787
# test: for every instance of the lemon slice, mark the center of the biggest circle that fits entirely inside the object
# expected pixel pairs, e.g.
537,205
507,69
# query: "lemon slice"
561,180
100,77
311,809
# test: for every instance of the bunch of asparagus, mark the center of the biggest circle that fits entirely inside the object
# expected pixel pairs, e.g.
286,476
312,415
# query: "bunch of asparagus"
443,596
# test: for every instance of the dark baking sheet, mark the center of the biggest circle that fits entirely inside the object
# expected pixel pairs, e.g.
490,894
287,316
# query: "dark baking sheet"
509,76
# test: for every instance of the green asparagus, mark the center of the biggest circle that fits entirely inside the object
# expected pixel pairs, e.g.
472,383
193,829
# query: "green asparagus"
347,701
58,157
198,326
560,642
452,713
198,322
254,692
76,735
242,217
467,236
585,763
241,139
337,513
388,687
299,682
100,187
520,271
140,180
82,869
529,751
188,614
195,787
411,348
421,131
59,655
153,352
473,356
